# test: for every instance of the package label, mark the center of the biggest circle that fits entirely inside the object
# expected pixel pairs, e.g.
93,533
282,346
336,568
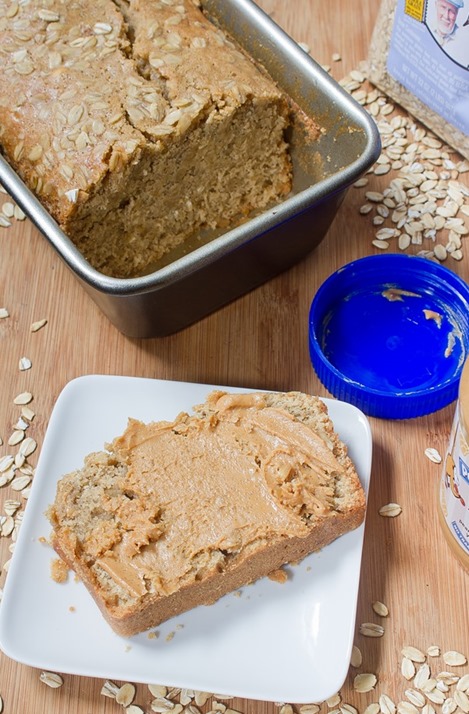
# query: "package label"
429,55
454,487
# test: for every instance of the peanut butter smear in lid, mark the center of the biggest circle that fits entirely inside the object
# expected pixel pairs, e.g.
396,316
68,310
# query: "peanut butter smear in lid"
390,334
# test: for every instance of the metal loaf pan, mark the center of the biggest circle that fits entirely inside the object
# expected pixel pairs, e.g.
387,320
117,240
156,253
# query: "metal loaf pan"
214,270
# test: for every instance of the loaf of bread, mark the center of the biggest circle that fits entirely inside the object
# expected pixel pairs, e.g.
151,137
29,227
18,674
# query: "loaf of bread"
137,123
176,514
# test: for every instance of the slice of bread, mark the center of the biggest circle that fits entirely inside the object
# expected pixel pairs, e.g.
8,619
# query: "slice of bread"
177,514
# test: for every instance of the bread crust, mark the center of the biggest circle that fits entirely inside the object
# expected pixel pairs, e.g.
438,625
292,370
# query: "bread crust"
256,560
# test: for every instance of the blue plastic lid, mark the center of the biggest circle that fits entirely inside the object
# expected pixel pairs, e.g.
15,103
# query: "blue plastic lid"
390,333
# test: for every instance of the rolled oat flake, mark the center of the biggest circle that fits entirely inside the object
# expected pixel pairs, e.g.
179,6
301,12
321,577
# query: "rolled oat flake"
419,56
454,484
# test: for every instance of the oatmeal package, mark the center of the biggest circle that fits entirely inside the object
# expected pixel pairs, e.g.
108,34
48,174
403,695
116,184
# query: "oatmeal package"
419,56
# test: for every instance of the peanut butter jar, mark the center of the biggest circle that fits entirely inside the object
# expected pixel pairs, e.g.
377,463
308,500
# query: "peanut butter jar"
454,484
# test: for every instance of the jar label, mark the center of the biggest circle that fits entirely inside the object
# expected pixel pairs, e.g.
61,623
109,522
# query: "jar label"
454,489
429,55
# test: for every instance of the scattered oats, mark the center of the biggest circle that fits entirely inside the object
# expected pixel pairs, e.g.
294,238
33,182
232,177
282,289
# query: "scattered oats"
52,679
10,507
126,694
390,510
372,708
386,705
382,169
306,48
358,76
16,437
374,196
428,709
19,460
4,222
134,709
37,325
158,690
436,696
20,482
370,629
448,706
462,700
347,709
356,658
365,209
161,705
454,659
407,708
463,683
440,252
27,413
23,398
7,523
407,668
422,676
4,312
8,209
19,213
192,709
6,462
24,364
333,701
447,678
434,455
364,682
380,608
416,698
413,653
429,685
109,689
28,446
336,57
381,244
201,698
309,709
361,182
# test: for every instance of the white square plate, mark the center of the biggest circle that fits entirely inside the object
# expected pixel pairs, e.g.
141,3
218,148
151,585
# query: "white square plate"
274,642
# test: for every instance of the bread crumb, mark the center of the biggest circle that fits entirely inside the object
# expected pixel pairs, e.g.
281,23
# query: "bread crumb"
58,571
278,576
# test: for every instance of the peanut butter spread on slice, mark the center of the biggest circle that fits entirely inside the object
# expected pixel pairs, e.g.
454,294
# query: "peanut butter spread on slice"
201,489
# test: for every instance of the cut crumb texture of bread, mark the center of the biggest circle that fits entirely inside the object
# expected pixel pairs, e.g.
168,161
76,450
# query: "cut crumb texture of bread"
176,514
137,124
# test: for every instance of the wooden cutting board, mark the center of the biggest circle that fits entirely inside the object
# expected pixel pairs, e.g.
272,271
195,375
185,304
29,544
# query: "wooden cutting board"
259,341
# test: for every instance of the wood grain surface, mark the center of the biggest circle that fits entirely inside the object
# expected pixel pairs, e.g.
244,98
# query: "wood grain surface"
258,341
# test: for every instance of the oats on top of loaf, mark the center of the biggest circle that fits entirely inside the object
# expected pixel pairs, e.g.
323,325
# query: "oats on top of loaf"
137,124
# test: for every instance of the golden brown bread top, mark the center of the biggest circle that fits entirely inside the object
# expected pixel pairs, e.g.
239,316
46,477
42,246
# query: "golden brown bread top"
85,85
